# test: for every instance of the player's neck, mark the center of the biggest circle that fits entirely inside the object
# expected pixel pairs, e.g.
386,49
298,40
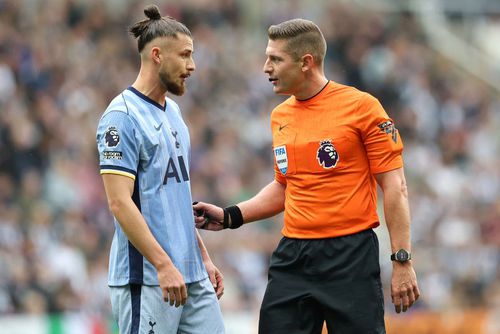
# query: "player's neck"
151,87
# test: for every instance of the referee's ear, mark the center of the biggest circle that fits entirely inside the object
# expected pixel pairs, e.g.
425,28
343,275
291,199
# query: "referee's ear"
307,62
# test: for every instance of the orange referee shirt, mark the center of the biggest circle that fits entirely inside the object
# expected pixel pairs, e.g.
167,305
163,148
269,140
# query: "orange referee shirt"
326,150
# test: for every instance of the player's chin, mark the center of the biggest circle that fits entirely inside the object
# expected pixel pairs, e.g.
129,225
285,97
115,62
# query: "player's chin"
181,89
176,87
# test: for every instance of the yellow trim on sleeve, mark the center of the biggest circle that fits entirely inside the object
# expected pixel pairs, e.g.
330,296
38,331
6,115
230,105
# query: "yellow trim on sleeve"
117,172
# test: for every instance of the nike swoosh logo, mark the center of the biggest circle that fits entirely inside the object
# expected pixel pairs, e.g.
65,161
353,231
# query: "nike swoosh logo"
283,126
158,127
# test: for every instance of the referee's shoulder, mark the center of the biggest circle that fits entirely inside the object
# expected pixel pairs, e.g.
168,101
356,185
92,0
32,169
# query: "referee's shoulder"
283,106
354,91
361,98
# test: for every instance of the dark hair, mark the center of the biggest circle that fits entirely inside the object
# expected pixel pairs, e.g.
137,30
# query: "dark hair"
303,37
156,26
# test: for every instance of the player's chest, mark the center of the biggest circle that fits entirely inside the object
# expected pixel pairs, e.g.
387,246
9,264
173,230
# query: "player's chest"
165,137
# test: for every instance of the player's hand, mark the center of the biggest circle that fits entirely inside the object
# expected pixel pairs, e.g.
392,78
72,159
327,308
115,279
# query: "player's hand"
404,287
172,285
216,278
208,216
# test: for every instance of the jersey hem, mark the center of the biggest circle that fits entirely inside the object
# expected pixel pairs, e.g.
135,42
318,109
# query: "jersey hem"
148,283
328,236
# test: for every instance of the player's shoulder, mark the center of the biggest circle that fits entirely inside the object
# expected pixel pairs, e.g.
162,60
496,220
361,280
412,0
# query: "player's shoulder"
171,104
119,109
117,104
127,102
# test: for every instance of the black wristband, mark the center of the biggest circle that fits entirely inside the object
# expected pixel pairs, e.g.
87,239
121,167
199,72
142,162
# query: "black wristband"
236,216
225,222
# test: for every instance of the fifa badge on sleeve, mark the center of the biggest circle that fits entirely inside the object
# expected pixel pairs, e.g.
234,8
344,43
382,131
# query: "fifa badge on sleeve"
281,158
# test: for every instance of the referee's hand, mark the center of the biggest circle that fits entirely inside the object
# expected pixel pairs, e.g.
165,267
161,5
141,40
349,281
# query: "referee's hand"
404,286
208,216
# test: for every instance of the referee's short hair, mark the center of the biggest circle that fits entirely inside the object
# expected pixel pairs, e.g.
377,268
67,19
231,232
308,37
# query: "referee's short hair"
303,37
156,26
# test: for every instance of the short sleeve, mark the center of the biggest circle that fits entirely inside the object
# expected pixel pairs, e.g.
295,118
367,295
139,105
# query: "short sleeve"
278,175
117,144
381,138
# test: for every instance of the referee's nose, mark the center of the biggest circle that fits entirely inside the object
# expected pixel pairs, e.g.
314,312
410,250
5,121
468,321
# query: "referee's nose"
267,67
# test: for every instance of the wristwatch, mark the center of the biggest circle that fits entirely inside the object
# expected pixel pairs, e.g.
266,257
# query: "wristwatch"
401,256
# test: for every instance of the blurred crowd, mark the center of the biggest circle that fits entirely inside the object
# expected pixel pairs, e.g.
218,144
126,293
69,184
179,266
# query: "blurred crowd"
62,61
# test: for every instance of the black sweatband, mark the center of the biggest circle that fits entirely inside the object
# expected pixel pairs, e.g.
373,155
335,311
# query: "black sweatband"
225,222
236,216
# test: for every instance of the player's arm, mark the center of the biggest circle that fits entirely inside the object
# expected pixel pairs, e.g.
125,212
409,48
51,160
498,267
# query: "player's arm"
267,203
404,287
119,190
214,273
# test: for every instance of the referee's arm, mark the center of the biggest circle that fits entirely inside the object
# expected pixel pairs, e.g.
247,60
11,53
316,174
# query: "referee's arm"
267,203
404,287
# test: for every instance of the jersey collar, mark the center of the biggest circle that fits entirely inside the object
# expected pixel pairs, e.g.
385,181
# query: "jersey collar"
147,99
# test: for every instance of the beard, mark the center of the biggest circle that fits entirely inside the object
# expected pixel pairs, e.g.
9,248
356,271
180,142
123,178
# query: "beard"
170,84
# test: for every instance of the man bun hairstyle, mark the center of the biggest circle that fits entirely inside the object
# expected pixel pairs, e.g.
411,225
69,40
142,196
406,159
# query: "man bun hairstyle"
155,26
153,12
303,36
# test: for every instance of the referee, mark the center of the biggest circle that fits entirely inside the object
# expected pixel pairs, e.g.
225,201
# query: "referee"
332,145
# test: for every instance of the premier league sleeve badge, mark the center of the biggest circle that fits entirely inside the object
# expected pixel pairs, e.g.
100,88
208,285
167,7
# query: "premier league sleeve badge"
111,137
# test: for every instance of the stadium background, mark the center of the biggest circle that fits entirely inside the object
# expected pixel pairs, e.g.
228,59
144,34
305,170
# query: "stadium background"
434,65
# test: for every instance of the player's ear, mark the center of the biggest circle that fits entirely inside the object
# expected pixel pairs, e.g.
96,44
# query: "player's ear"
156,55
307,61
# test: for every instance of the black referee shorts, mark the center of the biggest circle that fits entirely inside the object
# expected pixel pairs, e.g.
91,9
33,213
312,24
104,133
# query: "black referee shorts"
313,280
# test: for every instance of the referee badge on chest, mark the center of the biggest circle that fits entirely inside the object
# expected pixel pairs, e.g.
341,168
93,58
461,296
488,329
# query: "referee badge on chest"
281,158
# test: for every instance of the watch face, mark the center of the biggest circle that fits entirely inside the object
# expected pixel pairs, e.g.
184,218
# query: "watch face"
402,255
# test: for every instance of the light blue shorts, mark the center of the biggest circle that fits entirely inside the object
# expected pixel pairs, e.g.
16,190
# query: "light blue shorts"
140,309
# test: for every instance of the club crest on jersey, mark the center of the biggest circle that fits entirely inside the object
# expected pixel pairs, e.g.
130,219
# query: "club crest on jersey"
281,158
327,155
111,137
